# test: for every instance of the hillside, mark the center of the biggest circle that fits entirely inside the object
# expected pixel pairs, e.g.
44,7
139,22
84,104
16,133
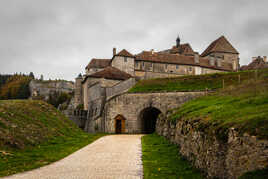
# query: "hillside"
16,87
243,107
31,132
198,82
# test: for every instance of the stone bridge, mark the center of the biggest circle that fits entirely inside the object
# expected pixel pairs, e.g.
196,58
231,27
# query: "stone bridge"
137,112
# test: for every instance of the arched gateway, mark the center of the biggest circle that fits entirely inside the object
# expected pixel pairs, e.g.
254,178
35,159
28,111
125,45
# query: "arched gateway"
147,118
136,113
120,124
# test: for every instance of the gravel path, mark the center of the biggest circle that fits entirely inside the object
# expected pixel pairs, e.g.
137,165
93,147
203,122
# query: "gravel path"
115,156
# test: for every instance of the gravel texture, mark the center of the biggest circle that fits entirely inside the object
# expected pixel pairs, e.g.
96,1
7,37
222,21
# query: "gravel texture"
114,156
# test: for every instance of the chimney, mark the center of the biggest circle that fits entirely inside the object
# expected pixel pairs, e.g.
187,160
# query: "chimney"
265,59
196,57
114,51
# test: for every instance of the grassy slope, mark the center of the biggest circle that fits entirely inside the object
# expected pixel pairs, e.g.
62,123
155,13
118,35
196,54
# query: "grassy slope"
162,160
33,134
196,83
244,107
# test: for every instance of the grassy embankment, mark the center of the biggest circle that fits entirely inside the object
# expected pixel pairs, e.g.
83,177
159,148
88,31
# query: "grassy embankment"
242,104
196,83
34,133
162,160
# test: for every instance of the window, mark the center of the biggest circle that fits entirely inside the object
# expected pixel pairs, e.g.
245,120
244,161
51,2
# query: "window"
177,66
190,68
166,65
136,64
125,59
143,64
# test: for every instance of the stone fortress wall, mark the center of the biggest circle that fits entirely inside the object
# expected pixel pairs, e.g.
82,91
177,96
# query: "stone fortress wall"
45,88
216,157
131,105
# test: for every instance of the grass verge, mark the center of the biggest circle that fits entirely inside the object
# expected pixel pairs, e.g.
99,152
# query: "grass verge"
17,160
34,133
197,82
258,174
243,108
161,159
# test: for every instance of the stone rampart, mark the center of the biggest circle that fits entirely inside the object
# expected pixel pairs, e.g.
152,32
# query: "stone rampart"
218,158
120,88
130,106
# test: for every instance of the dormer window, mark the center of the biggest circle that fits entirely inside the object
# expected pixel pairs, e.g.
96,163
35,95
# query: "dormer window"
125,59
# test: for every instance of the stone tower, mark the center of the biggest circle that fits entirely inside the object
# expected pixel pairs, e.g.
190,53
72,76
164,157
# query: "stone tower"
78,90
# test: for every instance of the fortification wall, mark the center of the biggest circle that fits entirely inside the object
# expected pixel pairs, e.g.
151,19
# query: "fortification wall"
120,88
218,158
44,88
130,105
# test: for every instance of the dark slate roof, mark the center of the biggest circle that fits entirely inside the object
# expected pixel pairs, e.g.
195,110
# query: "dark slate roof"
220,45
180,60
98,63
124,53
111,73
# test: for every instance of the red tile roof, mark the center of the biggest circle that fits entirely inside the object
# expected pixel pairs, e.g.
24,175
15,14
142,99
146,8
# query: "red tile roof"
98,63
256,64
111,73
180,60
184,49
220,45
124,53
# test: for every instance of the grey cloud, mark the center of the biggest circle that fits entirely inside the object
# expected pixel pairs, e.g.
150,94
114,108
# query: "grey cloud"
57,38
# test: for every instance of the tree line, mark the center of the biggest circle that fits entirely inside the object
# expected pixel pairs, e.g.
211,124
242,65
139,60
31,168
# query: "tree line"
15,86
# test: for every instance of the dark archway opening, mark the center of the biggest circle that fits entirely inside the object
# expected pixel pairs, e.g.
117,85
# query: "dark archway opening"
148,118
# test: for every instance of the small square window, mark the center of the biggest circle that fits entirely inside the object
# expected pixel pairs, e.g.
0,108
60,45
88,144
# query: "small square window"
125,59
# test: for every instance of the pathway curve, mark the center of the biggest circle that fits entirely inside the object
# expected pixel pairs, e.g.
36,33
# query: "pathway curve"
115,156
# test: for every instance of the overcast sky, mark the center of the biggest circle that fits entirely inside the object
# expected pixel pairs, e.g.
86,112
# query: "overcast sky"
57,38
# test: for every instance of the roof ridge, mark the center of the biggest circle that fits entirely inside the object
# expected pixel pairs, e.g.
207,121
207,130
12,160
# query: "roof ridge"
221,44
124,53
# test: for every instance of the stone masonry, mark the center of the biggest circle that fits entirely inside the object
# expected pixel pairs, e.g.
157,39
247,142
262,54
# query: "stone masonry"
218,158
130,105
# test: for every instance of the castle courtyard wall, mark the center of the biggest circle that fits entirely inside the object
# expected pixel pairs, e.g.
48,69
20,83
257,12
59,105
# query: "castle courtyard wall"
130,105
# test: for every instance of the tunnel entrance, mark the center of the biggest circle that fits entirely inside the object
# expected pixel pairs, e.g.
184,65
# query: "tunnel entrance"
148,117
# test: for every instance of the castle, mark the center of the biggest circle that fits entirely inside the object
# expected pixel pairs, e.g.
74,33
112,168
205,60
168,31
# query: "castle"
107,78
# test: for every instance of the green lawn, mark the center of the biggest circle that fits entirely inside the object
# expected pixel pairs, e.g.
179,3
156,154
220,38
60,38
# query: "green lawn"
197,82
19,160
34,133
161,160
259,174
243,107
